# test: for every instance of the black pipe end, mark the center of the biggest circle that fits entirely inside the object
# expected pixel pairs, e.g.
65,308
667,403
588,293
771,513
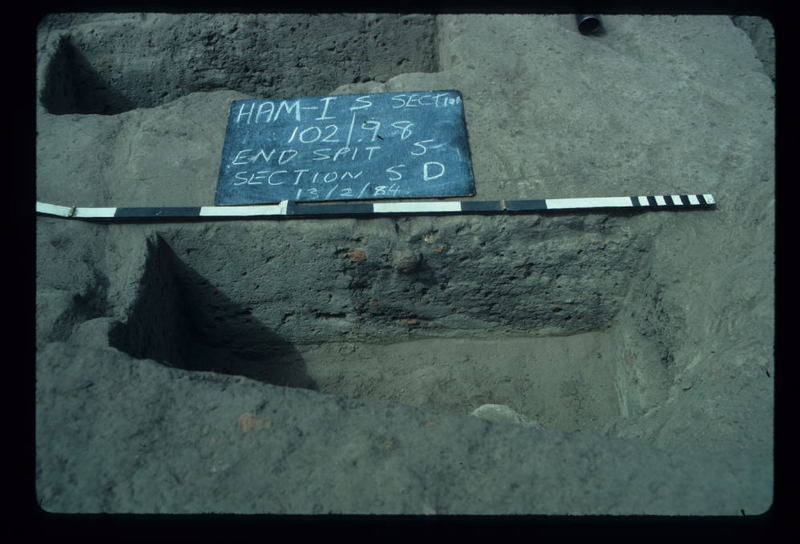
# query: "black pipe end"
589,24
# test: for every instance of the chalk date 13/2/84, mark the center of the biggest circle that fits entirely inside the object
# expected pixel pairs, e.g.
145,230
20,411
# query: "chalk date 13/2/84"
345,193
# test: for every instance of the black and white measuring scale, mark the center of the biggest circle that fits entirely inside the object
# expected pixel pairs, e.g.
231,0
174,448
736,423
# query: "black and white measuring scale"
291,209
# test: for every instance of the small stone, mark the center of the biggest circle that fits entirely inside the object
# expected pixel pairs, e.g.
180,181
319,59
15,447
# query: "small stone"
407,262
356,256
500,413
250,422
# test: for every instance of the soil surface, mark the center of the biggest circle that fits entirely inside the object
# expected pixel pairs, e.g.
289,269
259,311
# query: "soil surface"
304,366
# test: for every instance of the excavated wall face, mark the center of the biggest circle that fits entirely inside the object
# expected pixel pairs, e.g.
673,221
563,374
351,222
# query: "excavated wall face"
507,301
388,279
115,63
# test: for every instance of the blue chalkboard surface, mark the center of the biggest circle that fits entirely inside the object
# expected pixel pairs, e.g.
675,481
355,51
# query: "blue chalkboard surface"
346,147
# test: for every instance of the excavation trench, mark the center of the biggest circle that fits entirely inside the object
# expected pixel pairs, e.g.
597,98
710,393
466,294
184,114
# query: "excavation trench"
443,313
112,63
448,313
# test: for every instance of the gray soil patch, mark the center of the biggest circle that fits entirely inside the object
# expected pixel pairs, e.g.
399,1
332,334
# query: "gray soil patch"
561,382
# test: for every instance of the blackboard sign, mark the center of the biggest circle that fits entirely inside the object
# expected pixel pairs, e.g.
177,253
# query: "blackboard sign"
346,147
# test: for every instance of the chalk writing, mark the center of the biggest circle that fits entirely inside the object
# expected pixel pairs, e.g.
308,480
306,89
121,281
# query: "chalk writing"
341,147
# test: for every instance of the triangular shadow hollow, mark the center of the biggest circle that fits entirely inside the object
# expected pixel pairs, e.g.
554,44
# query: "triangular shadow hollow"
72,85
183,321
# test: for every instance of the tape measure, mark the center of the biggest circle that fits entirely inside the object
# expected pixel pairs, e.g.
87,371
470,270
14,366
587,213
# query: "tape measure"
288,208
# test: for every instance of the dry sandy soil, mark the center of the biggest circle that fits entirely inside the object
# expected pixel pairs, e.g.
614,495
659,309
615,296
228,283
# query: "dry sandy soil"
256,367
